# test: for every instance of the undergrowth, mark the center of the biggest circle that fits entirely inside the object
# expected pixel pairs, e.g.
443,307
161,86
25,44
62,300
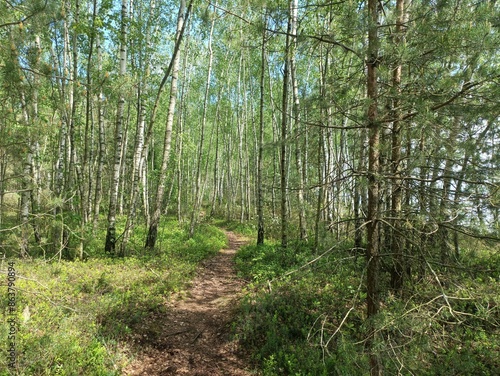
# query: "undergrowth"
81,317
300,319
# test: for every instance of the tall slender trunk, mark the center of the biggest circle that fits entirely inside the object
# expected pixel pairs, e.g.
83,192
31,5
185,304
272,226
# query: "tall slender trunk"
124,165
26,195
101,142
167,140
296,122
30,176
74,169
115,177
320,156
137,170
230,192
139,156
197,180
216,185
61,167
240,128
446,195
284,135
85,205
359,194
180,149
260,198
373,220
397,272
86,174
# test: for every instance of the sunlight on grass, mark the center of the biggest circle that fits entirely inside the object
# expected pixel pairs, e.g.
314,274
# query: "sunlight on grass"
310,320
79,318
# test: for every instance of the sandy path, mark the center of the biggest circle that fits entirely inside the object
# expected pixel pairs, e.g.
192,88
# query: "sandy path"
194,337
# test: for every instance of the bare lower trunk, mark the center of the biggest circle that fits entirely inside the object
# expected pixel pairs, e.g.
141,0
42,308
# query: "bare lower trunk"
296,121
283,141
373,220
117,163
397,241
260,210
167,141
198,188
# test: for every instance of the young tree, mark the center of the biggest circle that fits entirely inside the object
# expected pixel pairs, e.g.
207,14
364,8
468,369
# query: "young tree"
373,216
118,137
197,180
397,273
260,198
296,121
283,159
167,141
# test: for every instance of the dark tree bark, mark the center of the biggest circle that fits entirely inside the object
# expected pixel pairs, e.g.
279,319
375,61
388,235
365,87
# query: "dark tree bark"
398,267
167,141
373,220
284,134
260,199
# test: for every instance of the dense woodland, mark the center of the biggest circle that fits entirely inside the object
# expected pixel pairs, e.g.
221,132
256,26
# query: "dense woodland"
360,138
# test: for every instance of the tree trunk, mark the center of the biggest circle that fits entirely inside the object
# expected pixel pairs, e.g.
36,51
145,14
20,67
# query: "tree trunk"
372,250
197,180
139,155
102,145
260,198
296,120
323,68
284,133
115,177
446,196
397,241
167,141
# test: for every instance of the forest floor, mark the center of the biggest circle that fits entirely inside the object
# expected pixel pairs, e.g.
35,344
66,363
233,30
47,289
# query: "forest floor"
194,338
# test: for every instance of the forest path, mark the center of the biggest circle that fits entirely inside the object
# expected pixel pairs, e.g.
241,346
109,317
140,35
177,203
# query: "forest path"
194,337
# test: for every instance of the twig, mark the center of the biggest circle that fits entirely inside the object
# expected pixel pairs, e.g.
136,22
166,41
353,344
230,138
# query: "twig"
339,327
176,333
196,337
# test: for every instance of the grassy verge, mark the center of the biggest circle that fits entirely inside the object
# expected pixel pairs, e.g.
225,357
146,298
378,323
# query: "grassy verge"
81,317
311,320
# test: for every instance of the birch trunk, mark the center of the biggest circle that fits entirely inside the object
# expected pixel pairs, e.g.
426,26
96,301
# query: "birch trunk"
101,142
260,198
115,178
284,135
138,159
167,141
296,121
197,195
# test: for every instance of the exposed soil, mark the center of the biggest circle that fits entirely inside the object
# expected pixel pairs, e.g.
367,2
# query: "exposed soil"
193,338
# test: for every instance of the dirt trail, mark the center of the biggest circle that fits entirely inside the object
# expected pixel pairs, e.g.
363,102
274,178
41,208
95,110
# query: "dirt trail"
194,338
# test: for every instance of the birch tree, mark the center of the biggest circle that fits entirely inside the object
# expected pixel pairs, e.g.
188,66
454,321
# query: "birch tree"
118,136
167,141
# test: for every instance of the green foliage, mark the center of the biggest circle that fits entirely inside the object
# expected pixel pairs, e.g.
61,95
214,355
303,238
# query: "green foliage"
286,320
245,228
84,315
311,320
269,261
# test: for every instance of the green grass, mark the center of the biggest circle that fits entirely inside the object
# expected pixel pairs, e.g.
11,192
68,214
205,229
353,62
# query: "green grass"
248,229
84,315
311,320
